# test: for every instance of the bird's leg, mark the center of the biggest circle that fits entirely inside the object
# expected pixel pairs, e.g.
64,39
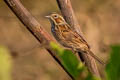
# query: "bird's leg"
73,51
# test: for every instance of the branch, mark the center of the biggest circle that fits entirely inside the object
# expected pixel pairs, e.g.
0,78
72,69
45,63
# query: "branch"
33,26
68,13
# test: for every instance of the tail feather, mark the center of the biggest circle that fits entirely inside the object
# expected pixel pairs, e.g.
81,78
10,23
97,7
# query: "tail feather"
95,57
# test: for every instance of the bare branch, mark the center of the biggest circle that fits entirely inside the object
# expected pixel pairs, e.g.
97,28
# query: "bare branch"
33,26
68,13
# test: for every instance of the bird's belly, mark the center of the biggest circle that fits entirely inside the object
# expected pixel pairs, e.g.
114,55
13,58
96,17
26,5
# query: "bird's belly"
60,38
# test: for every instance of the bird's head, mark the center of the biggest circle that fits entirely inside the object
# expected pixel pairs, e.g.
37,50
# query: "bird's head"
56,18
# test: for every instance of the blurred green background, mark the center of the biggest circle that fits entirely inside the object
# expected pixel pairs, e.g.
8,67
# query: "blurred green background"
99,21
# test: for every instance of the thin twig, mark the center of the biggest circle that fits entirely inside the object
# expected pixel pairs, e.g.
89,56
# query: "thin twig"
68,13
33,26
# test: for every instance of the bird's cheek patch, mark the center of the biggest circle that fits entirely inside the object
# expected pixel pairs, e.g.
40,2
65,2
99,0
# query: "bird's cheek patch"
58,20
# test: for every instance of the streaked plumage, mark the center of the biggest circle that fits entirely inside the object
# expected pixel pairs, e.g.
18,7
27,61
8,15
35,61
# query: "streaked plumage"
68,37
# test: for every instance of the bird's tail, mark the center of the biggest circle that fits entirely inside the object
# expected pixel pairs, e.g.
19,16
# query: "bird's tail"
95,57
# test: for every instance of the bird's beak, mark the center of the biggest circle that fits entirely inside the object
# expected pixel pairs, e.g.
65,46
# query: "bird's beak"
47,16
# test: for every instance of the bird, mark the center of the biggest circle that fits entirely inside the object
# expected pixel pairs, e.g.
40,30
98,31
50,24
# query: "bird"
68,37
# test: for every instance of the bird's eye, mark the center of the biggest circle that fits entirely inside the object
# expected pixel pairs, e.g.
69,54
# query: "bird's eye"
55,16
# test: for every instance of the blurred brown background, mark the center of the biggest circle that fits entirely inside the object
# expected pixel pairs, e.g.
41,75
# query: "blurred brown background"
99,20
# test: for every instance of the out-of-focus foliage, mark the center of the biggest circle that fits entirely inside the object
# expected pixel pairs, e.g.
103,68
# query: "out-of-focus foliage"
77,69
113,67
5,64
91,77
72,64
69,60
98,19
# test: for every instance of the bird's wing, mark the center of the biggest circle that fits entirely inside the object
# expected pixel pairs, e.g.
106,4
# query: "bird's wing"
73,39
